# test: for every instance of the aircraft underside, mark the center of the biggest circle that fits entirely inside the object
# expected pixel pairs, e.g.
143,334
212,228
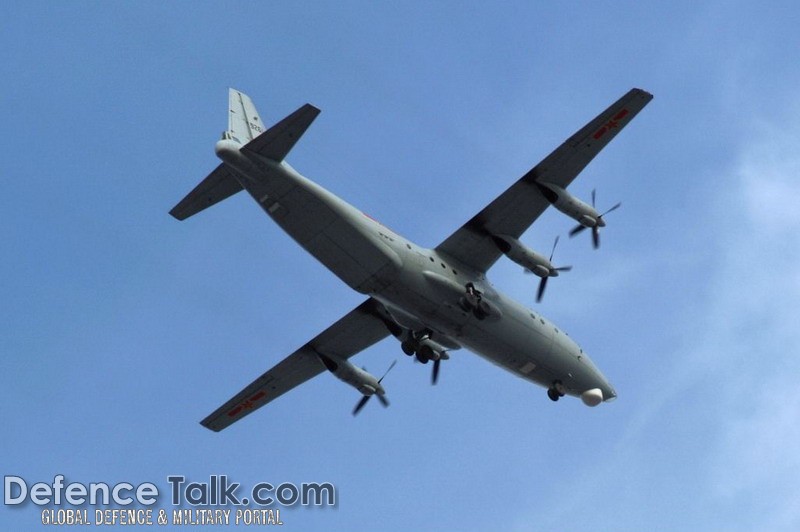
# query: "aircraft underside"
375,260
433,301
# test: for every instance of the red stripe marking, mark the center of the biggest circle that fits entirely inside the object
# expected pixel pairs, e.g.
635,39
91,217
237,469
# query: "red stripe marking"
622,114
235,411
258,396
373,219
600,132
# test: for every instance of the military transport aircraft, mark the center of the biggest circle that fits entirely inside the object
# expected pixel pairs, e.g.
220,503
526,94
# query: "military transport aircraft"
432,300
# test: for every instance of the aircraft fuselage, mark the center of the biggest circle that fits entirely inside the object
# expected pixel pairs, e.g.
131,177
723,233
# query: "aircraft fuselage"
418,286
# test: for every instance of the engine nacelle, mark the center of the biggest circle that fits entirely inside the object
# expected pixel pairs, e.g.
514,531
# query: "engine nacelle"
588,221
345,371
366,389
569,204
523,255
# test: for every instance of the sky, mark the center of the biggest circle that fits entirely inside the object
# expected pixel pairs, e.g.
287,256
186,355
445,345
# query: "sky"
121,328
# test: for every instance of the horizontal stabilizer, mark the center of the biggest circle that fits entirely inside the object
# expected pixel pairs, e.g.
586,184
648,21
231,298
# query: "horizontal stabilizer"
278,140
219,185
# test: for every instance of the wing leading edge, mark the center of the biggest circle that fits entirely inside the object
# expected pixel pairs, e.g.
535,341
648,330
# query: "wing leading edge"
520,205
357,330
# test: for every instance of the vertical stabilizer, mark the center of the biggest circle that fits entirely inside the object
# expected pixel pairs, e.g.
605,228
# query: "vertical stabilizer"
246,130
244,122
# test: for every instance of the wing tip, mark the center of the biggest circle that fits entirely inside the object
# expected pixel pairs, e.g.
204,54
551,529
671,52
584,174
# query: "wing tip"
208,424
642,92
177,214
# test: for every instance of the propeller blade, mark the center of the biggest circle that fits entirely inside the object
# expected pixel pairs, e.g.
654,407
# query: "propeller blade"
540,292
563,268
577,230
435,376
594,191
384,401
361,404
554,248
388,370
614,208
596,237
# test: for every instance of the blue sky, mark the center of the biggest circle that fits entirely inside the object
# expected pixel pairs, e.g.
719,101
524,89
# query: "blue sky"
121,328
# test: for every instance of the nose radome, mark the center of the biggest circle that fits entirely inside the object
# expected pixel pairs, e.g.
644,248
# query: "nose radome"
592,397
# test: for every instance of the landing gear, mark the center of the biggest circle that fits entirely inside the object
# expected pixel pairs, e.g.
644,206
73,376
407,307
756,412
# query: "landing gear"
556,391
408,347
482,310
410,344
471,299
472,302
425,349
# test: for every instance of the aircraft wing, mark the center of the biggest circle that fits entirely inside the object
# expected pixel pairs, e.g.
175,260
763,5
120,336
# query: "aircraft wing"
360,328
519,206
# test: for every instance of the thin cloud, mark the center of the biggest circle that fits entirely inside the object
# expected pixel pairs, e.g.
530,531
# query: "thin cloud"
756,459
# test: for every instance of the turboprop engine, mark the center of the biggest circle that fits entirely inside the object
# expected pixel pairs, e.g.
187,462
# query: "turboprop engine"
530,260
586,215
568,204
363,381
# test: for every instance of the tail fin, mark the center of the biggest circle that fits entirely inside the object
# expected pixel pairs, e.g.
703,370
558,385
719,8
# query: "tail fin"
245,127
244,124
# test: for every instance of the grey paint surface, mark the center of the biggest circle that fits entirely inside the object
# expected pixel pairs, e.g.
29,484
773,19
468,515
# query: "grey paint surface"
413,293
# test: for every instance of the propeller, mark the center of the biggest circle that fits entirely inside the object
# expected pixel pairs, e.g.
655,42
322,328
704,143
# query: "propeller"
435,376
576,230
540,291
614,208
363,401
361,404
551,273
387,371
598,223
